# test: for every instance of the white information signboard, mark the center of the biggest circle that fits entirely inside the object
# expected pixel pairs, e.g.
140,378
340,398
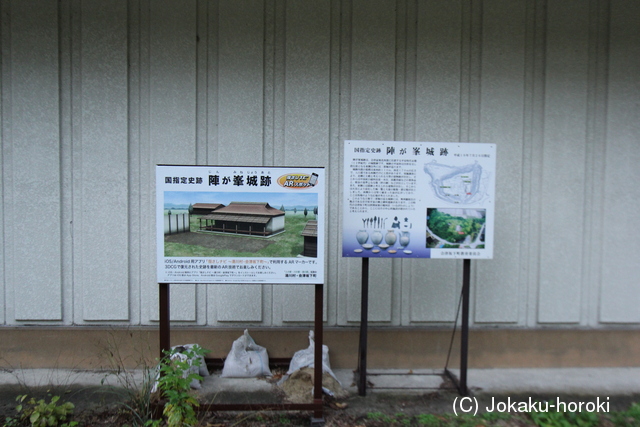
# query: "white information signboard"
418,199
221,224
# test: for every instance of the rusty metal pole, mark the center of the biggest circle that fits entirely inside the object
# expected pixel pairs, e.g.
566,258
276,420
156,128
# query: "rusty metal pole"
464,338
165,333
317,356
364,320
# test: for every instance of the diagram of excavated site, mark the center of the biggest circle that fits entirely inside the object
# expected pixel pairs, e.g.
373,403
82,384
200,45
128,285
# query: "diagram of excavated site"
457,184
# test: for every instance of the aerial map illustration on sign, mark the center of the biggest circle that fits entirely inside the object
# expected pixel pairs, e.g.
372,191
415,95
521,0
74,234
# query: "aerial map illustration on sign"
418,199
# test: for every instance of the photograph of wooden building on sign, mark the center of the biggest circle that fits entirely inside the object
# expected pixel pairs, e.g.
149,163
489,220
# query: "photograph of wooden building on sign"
253,218
310,234
204,208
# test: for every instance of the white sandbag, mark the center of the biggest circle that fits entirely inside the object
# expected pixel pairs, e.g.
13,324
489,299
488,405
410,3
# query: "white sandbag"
194,368
246,359
202,367
305,358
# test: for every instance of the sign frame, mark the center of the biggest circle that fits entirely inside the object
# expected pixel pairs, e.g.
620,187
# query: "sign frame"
248,227
396,193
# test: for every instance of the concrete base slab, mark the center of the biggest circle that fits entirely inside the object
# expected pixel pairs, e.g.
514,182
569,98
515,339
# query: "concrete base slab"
600,381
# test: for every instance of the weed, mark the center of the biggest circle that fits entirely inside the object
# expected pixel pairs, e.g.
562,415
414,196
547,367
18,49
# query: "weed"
134,384
284,420
565,419
428,420
628,418
379,416
175,385
495,416
41,414
403,419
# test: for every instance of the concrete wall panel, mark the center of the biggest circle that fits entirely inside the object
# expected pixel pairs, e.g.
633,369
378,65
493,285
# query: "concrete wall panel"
101,166
305,100
240,82
372,102
239,29
172,113
432,288
563,164
31,155
497,282
620,294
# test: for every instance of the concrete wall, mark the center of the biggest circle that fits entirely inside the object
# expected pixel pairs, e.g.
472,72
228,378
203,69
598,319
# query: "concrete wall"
389,348
95,94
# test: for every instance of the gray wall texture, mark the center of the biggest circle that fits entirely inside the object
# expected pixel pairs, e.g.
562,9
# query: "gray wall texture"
96,93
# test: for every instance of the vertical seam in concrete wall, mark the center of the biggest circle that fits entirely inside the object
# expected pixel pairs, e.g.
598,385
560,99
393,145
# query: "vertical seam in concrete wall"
268,82
400,105
76,158
465,60
202,84
202,129
345,64
475,73
527,153
278,90
411,70
400,69
268,125
595,162
536,158
5,137
279,81
333,173
212,82
148,287
406,41
344,133
66,166
133,148
471,68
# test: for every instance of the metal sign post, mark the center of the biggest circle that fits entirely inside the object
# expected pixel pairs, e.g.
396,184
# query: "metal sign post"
364,316
461,384
418,199
315,407
464,337
242,204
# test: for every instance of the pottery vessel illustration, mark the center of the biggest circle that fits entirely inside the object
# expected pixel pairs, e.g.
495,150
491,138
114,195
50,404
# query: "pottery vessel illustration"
390,237
404,239
376,237
362,236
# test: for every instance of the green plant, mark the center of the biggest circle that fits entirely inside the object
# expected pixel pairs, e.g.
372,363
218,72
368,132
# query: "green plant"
284,420
428,420
495,416
403,419
41,414
379,416
565,419
133,385
628,418
175,385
